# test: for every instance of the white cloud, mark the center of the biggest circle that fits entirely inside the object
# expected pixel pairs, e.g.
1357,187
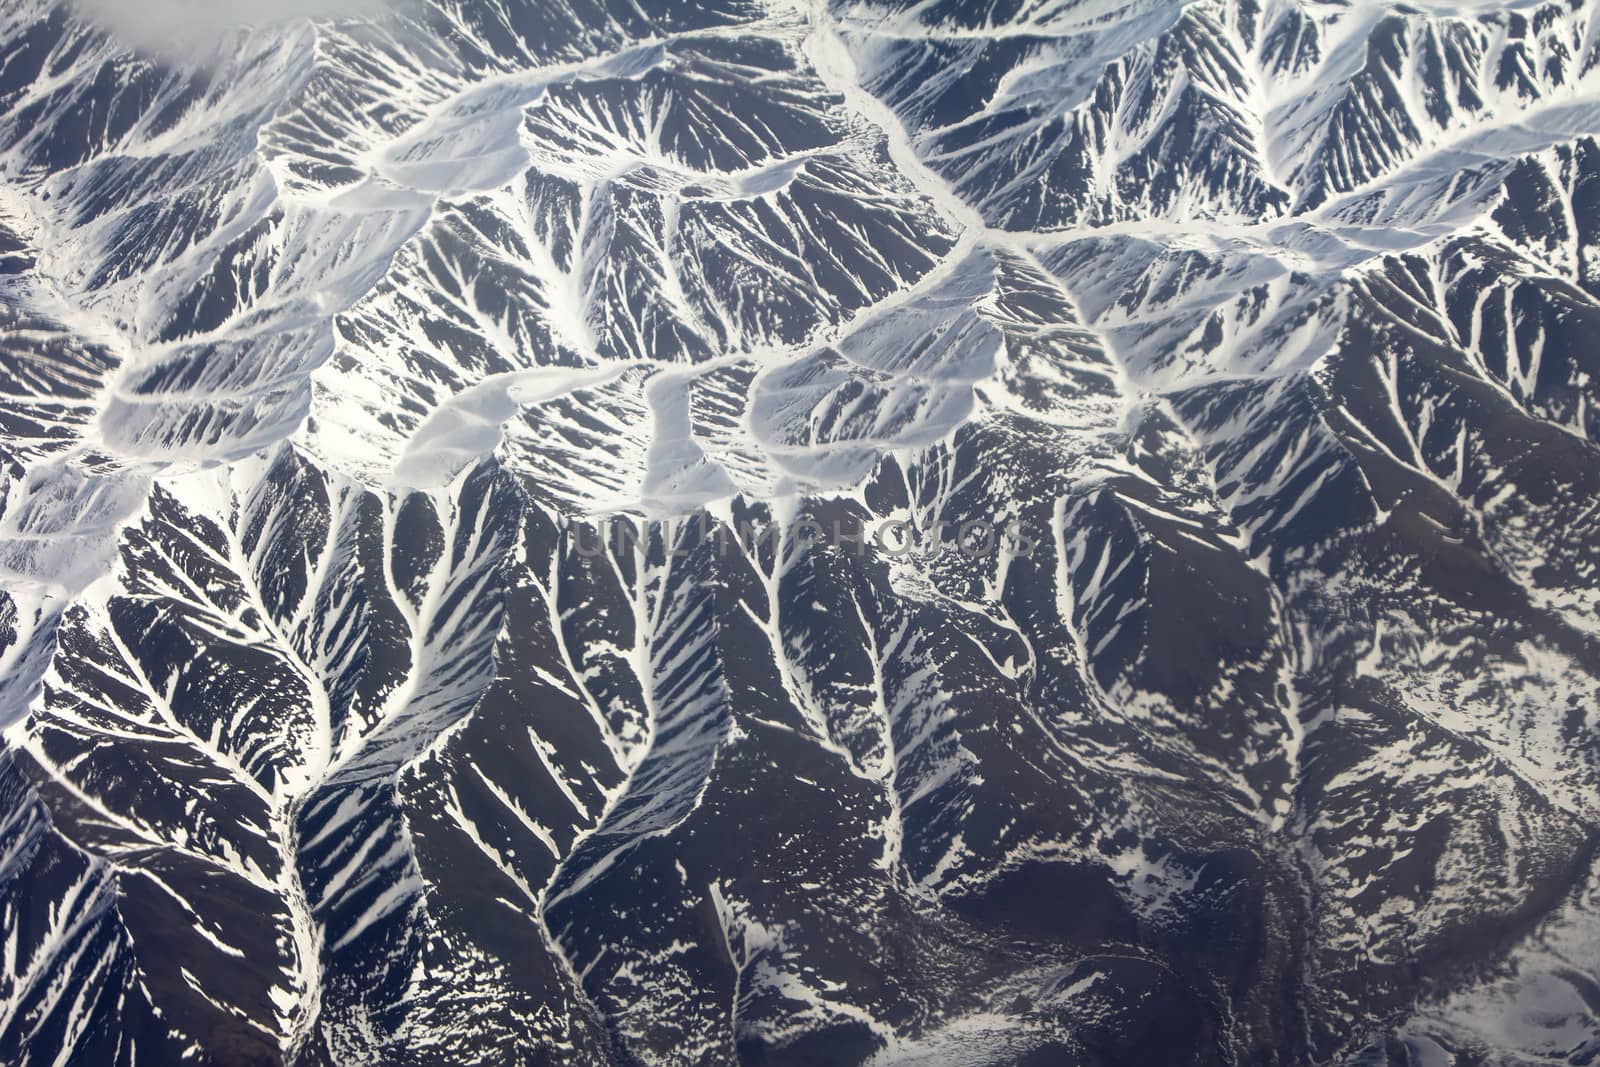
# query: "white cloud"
165,24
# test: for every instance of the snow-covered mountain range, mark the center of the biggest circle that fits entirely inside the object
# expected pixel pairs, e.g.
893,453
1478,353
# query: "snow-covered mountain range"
328,341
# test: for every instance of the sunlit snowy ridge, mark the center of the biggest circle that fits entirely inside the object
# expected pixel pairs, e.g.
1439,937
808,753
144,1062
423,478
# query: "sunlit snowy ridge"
324,340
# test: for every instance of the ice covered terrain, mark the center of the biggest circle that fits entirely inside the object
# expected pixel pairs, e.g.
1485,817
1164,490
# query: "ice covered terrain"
329,340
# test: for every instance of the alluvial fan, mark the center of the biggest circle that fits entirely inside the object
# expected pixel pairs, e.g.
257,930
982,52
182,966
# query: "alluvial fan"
946,532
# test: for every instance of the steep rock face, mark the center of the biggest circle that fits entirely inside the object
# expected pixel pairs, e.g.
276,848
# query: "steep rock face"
421,636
